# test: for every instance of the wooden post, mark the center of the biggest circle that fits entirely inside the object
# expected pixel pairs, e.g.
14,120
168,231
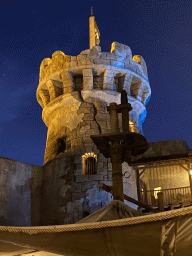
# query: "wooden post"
190,181
160,201
128,198
124,111
116,155
138,185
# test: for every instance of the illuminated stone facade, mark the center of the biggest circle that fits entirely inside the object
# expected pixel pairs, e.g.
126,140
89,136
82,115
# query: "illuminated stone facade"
74,92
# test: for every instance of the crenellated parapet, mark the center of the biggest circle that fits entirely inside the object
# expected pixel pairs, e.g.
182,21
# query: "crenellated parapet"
93,69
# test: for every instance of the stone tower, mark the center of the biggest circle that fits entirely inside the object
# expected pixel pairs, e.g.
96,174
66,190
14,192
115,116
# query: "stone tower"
74,92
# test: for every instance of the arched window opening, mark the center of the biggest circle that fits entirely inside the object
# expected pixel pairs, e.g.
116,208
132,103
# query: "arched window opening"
78,82
119,82
61,145
89,163
135,85
144,96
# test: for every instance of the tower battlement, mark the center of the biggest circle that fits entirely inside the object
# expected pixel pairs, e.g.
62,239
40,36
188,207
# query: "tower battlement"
93,69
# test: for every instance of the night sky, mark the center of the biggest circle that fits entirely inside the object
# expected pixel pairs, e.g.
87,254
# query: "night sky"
30,31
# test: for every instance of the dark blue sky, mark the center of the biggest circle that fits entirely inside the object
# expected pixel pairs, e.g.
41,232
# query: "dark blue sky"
160,31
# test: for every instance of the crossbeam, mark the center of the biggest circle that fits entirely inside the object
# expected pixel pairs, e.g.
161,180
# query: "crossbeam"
128,198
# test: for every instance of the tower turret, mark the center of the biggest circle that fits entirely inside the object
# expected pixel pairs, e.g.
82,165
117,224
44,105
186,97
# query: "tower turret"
74,92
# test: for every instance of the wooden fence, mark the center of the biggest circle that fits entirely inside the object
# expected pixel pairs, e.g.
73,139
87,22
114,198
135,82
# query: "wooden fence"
171,196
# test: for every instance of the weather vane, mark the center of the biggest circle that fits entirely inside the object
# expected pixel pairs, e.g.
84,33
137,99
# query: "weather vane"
91,11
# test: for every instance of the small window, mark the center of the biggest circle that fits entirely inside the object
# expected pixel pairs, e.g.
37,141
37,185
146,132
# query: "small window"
61,145
131,126
89,163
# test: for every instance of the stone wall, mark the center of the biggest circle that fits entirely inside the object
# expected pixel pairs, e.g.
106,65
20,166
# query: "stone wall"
72,118
19,193
69,196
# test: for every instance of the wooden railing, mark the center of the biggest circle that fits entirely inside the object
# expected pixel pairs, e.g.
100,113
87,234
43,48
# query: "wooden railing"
171,196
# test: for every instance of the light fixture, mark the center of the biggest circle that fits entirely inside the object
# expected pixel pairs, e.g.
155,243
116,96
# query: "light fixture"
190,171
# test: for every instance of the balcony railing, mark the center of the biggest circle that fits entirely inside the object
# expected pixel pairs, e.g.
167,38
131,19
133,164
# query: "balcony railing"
171,196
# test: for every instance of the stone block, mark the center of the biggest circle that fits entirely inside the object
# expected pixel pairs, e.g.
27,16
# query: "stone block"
102,124
105,177
85,129
87,72
102,117
109,175
81,62
73,58
81,57
88,185
73,135
79,165
91,132
66,65
103,56
76,142
80,134
102,171
85,123
94,125
88,86
86,105
105,165
78,172
77,196
85,110
102,61
67,58
67,89
87,140
110,55
95,177
88,147
88,117
117,63
72,64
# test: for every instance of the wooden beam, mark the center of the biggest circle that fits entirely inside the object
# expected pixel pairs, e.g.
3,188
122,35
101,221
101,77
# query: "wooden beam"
141,172
183,167
130,199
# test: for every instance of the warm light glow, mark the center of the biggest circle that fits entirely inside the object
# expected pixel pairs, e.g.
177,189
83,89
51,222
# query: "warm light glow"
190,171
91,154
84,158
156,190
131,126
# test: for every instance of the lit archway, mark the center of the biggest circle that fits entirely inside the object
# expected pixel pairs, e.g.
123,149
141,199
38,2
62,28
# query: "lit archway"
89,163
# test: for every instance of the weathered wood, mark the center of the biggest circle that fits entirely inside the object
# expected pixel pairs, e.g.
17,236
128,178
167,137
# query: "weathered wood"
190,181
128,198
116,156
138,185
124,111
160,201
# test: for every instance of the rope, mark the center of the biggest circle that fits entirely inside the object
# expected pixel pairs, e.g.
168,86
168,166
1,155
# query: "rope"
98,225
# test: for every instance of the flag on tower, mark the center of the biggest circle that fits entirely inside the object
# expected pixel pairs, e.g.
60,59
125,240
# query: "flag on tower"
94,33
97,34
